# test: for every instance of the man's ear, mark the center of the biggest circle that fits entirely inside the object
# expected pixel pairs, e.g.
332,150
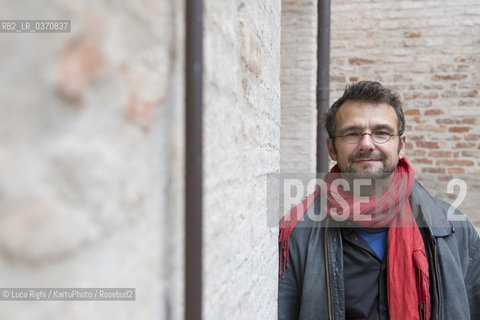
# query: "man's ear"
401,147
331,149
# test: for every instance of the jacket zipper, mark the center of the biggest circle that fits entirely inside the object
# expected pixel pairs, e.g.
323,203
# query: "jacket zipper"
325,250
435,257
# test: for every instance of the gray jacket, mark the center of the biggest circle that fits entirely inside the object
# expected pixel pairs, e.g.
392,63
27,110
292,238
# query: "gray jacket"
313,288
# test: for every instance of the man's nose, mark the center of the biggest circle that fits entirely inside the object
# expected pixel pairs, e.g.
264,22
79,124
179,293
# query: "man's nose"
366,142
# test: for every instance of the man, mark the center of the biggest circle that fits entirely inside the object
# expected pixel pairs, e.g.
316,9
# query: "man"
385,249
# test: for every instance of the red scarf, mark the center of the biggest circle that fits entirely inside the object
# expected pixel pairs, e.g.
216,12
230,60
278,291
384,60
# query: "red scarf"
407,264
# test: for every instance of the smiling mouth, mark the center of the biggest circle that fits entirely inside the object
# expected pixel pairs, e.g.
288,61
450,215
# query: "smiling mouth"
366,160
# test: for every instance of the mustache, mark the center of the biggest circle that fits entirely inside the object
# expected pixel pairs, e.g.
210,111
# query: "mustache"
367,156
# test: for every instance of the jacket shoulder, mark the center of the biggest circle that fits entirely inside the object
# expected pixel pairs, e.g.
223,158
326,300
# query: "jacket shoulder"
444,219
311,225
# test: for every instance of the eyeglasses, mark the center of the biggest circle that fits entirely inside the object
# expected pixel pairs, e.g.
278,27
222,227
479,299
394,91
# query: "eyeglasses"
379,136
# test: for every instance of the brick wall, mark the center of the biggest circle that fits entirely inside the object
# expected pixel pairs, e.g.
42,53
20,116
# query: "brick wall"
429,51
242,140
298,85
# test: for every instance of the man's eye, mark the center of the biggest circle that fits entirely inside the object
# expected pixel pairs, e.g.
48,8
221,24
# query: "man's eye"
382,133
352,134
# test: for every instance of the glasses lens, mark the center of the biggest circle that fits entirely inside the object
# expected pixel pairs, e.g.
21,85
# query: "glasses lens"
377,137
352,137
381,137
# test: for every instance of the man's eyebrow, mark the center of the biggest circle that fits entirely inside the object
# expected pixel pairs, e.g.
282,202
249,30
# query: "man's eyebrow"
358,128
383,127
349,128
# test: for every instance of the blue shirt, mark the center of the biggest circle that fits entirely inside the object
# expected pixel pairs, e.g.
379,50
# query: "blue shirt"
376,239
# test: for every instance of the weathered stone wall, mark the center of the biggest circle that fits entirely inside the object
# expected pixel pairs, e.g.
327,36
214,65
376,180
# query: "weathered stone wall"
298,84
429,51
91,148
91,157
242,141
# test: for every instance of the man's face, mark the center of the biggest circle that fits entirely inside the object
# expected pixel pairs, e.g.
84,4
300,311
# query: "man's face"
366,159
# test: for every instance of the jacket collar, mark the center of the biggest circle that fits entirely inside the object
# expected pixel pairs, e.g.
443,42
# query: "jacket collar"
428,212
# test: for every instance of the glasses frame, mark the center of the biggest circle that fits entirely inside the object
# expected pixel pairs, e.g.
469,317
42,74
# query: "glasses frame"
371,136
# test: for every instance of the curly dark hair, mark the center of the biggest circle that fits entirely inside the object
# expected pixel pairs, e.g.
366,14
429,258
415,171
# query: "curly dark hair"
365,91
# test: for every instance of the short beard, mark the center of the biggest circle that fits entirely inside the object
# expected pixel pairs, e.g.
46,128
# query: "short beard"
381,173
